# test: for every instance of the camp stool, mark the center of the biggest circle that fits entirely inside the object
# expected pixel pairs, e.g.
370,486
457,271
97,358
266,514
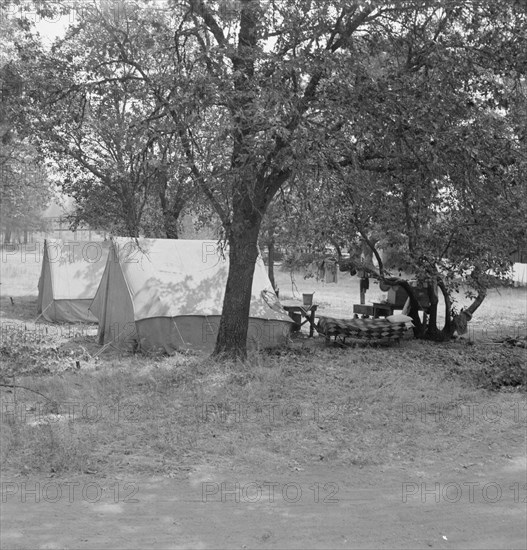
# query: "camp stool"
366,331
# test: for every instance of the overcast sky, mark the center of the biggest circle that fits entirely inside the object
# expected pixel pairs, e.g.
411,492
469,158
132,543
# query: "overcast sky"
49,30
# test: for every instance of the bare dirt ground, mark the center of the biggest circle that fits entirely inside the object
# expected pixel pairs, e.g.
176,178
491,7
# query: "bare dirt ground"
477,507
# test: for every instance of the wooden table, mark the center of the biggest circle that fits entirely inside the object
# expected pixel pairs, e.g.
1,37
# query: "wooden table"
307,312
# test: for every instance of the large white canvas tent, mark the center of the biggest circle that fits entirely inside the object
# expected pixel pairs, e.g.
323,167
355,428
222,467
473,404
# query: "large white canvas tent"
168,294
70,275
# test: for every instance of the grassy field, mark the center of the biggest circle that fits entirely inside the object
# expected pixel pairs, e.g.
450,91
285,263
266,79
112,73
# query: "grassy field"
305,404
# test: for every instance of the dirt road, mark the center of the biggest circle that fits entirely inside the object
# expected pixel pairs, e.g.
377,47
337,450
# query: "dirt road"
466,507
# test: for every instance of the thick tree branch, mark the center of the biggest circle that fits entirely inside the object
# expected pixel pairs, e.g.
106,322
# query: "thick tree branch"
199,8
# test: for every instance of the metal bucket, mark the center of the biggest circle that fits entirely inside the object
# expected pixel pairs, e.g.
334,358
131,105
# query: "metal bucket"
307,299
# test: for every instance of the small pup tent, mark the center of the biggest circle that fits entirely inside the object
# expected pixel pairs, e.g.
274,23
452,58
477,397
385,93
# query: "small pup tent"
70,275
168,294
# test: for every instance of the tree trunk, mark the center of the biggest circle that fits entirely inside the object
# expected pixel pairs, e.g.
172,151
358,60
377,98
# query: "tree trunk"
482,294
270,267
170,214
131,219
447,331
171,225
7,236
432,331
414,305
133,230
243,252
457,322
460,321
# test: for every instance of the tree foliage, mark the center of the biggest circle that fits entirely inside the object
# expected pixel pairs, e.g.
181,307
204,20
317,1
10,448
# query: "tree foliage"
433,162
95,117
24,187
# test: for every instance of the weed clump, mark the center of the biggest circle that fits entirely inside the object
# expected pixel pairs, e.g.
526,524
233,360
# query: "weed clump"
493,368
32,352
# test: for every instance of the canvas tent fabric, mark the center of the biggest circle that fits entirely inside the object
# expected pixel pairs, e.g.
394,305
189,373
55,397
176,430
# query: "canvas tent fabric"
69,278
519,274
168,294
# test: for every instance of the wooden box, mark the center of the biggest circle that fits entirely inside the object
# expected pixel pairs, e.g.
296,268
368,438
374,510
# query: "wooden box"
397,296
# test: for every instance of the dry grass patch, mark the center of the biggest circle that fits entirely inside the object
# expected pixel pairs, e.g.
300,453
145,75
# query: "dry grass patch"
313,404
